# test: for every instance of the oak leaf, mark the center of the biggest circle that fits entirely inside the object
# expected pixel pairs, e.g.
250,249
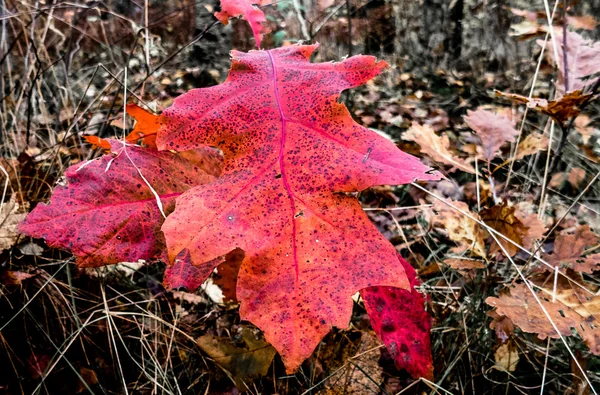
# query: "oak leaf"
292,157
436,147
582,60
399,319
248,10
502,219
459,228
569,246
109,212
494,130
535,228
567,311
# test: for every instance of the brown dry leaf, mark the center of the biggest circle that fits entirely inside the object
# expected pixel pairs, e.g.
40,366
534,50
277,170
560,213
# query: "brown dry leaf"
227,274
11,277
364,380
576,177
589,264
582,60
502,218
248,358
90,378
525,312
502,325
535,228
586,22
561,110
583,127
557,180
568,246
12,213
527,29
466,267
506,357
530,145
436,147
493,130
460,228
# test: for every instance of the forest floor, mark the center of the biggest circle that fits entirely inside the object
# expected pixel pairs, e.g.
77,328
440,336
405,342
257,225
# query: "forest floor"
505,245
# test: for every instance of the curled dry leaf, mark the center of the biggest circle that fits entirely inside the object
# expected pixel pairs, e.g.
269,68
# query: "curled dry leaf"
459,228
502,326
107,213
525,312
436,147
399,319
502,218
493,130
561,110
289,148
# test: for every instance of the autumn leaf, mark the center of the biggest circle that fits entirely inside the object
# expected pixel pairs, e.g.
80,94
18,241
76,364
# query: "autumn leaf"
530,145
97,142
535,229
146,126
399,319
248,10
108,212
569,246
466,267
436,147
576,177
560,110
494,130
291,155
14,277
459,228
227,274
525,312
245,359
502,219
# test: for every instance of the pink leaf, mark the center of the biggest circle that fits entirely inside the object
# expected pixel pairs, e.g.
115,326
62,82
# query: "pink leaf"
399,319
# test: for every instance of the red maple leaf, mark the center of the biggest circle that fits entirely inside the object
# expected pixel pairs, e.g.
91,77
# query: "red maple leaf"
253,15
108,212
399,319
293,156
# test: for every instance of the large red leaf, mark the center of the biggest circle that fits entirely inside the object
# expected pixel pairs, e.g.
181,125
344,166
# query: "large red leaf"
292,157
107,213
399,319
